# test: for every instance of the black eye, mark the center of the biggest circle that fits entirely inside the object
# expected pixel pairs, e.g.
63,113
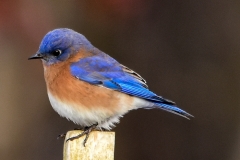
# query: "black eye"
57,52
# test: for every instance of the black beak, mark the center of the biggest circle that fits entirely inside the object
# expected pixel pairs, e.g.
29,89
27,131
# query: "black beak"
38,55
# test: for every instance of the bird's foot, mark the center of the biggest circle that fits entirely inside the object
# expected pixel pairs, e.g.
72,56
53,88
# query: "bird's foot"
63,135
86,132
78,128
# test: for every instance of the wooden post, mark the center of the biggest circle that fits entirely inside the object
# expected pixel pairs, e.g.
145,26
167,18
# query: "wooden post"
99,146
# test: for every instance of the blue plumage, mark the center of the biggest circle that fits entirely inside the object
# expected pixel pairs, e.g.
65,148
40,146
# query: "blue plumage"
103,70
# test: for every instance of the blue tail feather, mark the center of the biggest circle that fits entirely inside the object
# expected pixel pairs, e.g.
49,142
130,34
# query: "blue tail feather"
173,109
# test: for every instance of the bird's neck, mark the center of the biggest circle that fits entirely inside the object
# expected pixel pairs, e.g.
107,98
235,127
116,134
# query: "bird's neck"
55,70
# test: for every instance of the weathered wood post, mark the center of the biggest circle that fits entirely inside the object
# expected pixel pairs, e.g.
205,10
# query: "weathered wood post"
99,146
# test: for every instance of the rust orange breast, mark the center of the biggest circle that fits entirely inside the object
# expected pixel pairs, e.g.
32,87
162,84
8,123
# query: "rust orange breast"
61,84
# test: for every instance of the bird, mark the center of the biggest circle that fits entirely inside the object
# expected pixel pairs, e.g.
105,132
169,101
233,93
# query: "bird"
89,87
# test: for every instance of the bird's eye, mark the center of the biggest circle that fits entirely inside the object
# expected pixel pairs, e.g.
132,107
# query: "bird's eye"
57,52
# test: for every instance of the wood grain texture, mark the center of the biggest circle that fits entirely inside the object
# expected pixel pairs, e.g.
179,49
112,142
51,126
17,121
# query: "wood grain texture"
99,146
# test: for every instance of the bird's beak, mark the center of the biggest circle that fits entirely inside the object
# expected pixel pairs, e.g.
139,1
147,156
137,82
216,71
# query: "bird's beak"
38,55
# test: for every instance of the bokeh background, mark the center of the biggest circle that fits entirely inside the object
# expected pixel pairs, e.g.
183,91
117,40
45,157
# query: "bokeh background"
188,51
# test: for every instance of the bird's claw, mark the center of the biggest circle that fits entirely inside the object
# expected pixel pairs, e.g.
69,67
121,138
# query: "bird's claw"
86,132
63,135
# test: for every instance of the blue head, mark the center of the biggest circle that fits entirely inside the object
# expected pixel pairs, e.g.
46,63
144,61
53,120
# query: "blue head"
58,45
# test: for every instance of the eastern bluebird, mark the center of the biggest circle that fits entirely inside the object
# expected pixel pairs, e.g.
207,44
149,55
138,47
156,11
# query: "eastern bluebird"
89,87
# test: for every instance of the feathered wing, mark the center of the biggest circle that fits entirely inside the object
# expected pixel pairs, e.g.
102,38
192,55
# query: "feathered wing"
135,75
107,72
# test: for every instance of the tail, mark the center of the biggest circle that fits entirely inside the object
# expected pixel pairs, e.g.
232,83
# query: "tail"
173,109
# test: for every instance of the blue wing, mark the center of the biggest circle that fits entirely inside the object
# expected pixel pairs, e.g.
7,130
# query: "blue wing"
108,72
104,70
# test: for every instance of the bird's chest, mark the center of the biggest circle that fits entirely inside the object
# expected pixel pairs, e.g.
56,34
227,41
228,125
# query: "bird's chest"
61,84
80,101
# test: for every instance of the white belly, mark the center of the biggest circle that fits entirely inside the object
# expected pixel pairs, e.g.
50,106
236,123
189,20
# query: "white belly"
87,117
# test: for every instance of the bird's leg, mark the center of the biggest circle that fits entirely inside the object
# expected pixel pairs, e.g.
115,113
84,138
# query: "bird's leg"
61,135
86,132
78,128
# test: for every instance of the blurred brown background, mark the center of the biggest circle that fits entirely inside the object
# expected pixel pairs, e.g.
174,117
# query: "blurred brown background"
188,51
